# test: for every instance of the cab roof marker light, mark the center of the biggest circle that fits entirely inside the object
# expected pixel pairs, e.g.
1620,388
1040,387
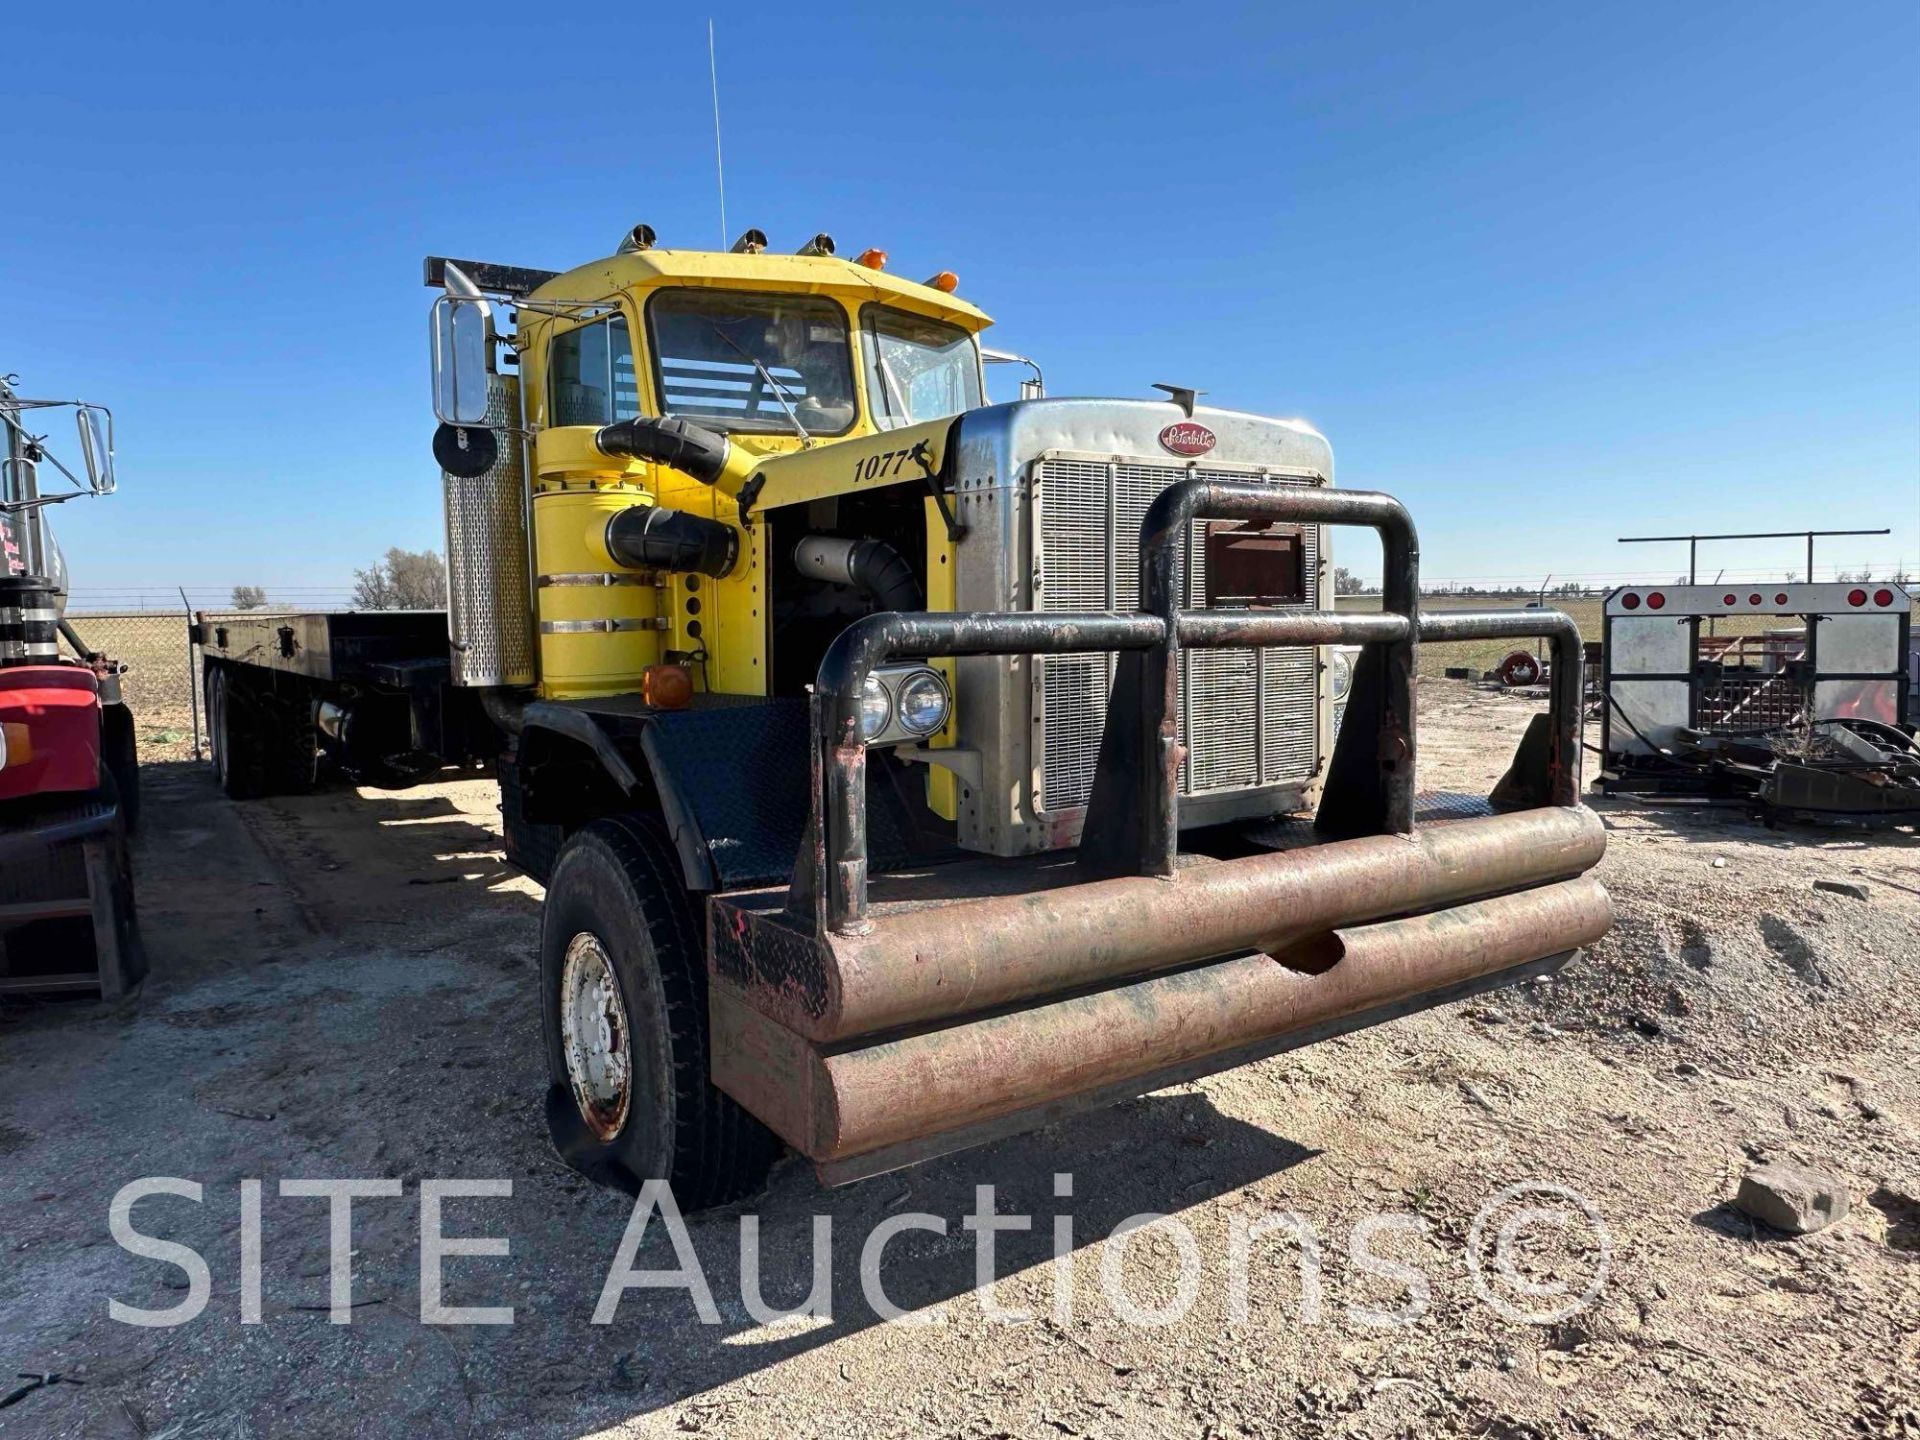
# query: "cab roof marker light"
751,242
821,244
871,258
640,237
945,281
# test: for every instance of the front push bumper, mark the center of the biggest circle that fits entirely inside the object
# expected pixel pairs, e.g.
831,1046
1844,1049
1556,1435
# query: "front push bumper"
874,1025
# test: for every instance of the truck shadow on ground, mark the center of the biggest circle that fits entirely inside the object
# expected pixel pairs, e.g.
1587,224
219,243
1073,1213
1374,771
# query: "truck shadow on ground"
391,925
335,864
1158,1155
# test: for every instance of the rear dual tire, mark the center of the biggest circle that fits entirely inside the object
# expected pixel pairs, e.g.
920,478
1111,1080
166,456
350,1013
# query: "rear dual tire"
262,742
624,1001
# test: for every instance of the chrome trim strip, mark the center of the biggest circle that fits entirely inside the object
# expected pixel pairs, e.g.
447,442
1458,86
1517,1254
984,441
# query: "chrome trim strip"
547,582
600,627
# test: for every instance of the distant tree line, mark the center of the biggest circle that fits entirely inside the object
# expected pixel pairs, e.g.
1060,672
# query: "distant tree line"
400,580
404,580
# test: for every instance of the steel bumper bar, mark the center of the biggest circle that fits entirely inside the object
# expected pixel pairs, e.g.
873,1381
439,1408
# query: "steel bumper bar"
874,1033
965,956
838,1102
1133,822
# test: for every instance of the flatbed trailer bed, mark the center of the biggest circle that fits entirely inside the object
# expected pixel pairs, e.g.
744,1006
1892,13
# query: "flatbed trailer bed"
374,646
371,689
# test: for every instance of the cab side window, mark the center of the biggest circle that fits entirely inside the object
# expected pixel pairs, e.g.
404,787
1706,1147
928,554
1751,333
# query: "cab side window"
590,376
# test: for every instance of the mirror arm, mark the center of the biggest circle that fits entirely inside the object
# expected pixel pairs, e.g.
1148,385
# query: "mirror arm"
20,507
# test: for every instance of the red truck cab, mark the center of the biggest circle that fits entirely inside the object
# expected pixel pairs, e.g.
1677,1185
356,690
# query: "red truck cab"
49,730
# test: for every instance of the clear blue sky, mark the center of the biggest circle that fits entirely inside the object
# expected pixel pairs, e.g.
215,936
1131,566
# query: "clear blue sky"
1550,273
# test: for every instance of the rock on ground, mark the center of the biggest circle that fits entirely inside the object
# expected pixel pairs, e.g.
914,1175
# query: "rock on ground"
1792,1198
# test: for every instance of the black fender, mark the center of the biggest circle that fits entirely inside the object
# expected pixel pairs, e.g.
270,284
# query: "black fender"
730,777
729,781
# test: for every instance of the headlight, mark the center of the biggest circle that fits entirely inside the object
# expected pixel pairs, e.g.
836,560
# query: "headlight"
876,708
922,702
1342,669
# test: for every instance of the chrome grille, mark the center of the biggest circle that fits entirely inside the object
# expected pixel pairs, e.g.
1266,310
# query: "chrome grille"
1247,717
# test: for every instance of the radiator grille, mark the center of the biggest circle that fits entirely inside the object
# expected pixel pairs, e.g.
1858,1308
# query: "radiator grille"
1247,717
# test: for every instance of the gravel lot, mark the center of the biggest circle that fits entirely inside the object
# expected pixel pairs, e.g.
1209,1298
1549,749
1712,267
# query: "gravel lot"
343,987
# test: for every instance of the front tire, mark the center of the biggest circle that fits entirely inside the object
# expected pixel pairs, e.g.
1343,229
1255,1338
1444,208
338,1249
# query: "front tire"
624,1000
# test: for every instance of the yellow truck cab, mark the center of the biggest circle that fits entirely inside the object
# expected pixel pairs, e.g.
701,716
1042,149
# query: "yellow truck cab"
784,354
906,769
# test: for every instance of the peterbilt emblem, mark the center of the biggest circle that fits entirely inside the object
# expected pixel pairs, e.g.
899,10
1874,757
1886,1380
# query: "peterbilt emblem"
1186,438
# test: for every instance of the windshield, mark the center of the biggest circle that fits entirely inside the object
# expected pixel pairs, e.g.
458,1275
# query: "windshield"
753,362
917,369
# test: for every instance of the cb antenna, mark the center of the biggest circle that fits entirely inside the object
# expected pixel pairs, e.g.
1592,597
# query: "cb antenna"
719,168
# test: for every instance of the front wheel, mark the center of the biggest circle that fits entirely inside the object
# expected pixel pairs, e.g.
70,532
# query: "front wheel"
624,999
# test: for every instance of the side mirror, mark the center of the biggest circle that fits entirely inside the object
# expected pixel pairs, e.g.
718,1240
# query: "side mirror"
461,327
1034,387
95,423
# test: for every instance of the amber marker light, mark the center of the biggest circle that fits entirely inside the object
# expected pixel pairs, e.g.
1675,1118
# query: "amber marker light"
667,687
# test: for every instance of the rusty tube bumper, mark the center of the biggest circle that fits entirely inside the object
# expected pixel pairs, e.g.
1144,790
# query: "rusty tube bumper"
946,1025
942,961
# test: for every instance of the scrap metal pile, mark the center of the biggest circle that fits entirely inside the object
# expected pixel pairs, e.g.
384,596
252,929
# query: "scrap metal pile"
1852,769
1810,719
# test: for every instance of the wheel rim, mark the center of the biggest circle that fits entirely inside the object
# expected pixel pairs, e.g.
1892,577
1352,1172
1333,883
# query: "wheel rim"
593,1022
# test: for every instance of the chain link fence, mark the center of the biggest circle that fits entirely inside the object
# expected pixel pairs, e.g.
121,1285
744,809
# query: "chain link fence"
162,679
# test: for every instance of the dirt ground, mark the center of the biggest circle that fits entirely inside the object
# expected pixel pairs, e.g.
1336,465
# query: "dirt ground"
343,987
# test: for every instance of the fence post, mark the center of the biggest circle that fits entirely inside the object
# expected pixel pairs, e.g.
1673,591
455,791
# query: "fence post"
193,675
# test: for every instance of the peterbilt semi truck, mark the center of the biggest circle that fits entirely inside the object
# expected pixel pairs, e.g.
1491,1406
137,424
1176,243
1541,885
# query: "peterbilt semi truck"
69,772
906,770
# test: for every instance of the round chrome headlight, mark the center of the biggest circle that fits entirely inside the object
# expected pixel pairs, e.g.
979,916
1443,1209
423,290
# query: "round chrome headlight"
876,708
923,702
1342,669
